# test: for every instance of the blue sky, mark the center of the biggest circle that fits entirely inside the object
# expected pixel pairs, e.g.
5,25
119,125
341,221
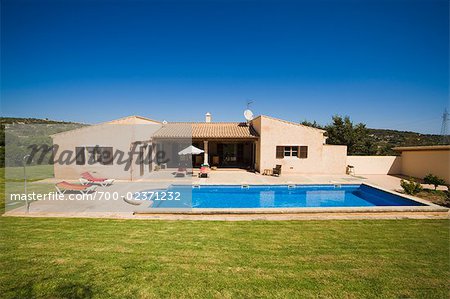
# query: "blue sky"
384,63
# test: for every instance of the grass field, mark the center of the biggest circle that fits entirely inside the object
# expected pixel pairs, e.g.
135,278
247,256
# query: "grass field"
34,173
99,258
12,181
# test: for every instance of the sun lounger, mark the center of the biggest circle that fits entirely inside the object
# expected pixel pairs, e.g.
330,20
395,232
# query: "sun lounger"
87,178
64,186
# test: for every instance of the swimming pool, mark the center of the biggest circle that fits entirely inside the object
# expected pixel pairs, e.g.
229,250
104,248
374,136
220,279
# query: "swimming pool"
281,196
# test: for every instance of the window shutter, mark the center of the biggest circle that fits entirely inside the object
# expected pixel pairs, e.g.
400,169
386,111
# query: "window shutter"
298,151
80,156
280,152
303,152
106,155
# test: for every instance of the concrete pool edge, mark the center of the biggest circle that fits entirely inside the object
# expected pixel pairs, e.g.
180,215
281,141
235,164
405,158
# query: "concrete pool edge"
250,211
429,207
247,217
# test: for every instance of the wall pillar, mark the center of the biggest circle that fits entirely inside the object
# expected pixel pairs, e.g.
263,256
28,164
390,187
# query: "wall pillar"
205,153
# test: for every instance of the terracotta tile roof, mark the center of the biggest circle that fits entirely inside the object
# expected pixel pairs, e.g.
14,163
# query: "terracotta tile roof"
206,130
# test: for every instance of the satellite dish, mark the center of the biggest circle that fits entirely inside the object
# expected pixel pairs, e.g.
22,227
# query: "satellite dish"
248,114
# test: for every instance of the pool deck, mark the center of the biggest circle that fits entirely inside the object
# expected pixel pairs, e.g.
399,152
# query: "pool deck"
122,210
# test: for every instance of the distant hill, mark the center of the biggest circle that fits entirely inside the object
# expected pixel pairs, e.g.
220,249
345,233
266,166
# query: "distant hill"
17,120
385,139
20,133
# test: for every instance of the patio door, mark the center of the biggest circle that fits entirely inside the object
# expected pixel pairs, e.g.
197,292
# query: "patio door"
229,154
235,154
240,153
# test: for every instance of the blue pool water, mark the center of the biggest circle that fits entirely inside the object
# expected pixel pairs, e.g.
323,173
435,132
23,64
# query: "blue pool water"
281,196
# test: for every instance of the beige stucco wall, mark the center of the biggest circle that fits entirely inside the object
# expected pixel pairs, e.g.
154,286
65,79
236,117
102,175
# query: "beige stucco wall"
256,123
321,158
118,134
420,163
334,159
375,164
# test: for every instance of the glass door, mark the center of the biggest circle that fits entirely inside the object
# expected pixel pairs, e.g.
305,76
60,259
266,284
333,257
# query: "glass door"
229,154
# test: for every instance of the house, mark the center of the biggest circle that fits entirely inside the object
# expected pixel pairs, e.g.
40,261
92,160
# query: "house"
259,144
98,148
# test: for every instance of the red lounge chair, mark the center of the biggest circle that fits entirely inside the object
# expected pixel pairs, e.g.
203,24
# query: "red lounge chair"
87,178
64,186
203,172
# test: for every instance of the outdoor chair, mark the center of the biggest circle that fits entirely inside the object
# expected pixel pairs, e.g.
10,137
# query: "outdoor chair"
203,172
87,178
277,170
64,186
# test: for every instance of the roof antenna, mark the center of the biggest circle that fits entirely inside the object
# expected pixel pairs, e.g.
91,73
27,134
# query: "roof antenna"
248,114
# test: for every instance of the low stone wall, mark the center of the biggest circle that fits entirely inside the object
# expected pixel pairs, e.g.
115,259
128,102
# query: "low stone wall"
375,164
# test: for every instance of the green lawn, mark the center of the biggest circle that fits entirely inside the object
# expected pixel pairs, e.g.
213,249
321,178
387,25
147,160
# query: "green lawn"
34,173
12,181
82,258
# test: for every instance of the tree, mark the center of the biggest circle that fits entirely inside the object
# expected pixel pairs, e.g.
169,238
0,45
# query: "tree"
356,137
433,180
313,124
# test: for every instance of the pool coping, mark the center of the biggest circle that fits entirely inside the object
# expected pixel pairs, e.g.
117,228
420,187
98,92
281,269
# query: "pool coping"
429,207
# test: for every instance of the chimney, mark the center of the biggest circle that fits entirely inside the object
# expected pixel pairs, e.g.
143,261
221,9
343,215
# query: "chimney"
208,117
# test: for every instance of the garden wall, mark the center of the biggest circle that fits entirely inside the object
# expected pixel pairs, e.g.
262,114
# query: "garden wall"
375,164
419,163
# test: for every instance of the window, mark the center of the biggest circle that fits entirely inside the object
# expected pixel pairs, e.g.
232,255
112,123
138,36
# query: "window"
80,157
292,151
101,154
287,151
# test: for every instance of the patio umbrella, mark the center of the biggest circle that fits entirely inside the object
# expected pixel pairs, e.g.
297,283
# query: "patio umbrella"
190,150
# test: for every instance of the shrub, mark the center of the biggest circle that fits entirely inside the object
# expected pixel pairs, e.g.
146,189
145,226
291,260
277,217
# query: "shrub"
410,186
433,180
